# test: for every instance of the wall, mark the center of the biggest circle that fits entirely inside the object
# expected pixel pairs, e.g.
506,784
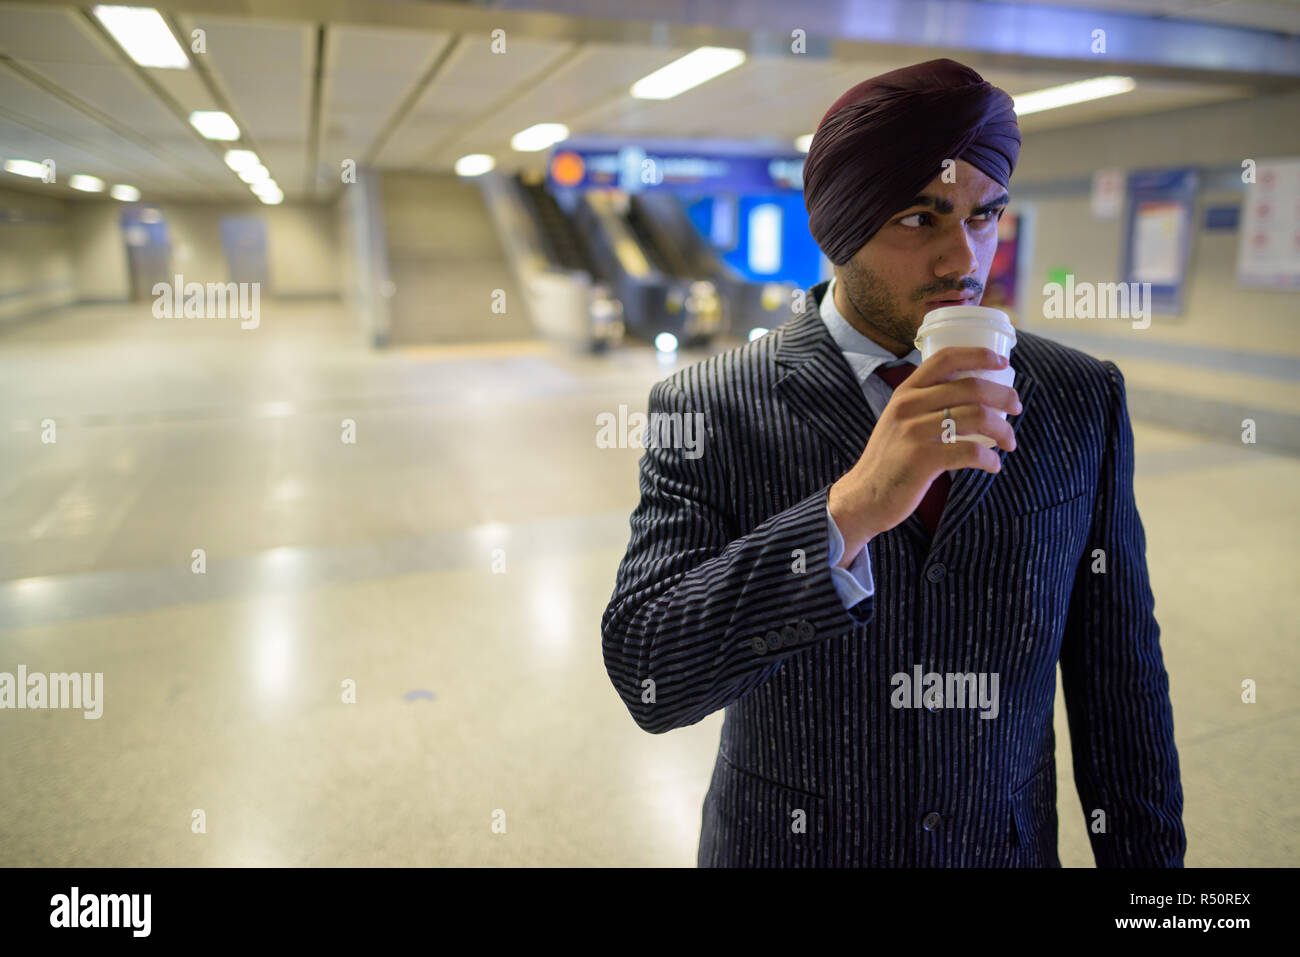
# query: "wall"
98,253
303,251
36,270
1217,312
363,257
301,245
57,252
445,263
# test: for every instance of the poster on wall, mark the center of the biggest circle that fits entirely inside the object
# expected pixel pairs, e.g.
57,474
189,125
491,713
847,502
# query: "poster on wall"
1107,198
1158,227
1001,288
1268,250
1159,234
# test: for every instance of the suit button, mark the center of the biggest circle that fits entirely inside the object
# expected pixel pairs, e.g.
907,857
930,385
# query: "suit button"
936,572
806,630
788,636
759,645
774,640
931,821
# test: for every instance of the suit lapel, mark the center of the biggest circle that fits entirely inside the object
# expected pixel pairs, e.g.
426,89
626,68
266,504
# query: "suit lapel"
971,485
819,386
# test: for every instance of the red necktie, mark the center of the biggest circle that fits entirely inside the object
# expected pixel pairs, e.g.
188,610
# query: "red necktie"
931,507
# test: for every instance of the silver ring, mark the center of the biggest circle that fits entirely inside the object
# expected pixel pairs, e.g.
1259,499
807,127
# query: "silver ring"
947,412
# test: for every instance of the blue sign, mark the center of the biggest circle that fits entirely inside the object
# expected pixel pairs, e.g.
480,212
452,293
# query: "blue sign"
634,169
1223,218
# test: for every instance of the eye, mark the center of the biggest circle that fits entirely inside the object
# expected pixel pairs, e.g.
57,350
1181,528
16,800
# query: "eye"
904,220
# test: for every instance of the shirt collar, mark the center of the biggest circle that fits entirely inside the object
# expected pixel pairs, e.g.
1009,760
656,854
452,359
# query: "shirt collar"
862,353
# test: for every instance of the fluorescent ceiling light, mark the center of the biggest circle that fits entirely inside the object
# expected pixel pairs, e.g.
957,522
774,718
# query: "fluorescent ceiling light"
1071,93
268,187
698,66
214,124
474,164
87,184
25,168
803,143
144,35
271,198
127,194
538,137
241,159
255,174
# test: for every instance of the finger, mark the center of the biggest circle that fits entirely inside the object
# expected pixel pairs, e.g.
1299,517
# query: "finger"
946,363
972,391
983,420
969,392
997,396
971,455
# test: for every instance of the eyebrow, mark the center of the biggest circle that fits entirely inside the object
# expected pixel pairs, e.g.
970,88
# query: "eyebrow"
944,206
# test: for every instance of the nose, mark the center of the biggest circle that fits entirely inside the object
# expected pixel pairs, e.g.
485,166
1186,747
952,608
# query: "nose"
957,258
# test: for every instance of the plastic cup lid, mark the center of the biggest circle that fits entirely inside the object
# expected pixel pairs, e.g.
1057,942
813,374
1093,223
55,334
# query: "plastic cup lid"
984,317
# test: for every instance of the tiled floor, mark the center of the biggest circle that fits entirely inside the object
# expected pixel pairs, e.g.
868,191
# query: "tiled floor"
477,690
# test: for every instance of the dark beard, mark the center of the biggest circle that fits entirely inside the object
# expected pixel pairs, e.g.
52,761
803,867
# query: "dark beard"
878,318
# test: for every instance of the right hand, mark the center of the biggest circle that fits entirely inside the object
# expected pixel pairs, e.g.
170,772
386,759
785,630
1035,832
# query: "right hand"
906,451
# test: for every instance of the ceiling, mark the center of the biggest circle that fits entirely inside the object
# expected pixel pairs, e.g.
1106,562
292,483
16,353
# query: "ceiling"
413,86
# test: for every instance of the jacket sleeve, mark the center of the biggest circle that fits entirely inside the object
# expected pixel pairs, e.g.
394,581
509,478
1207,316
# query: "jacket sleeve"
1115,684
700,614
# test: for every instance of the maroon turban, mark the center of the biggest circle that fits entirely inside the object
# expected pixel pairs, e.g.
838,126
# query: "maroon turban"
881,142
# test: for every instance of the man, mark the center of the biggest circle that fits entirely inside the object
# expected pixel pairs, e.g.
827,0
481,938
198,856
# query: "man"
829,556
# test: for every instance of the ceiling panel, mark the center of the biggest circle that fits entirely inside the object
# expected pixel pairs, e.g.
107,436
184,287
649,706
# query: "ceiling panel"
186,87
369,71
472,79
62,46
780,97
594,73
288,165
47,35
265,71
20,142
77,137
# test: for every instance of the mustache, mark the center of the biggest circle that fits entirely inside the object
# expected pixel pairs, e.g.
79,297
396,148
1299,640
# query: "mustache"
974,289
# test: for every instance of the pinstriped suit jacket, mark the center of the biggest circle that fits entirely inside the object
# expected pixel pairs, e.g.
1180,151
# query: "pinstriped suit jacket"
724,600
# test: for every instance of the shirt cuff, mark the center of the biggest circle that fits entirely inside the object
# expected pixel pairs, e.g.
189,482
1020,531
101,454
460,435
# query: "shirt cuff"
854,583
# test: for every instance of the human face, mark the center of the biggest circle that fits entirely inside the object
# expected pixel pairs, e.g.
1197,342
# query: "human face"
938,247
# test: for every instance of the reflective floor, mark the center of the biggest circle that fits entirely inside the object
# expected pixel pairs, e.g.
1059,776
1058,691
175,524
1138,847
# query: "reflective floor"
451,565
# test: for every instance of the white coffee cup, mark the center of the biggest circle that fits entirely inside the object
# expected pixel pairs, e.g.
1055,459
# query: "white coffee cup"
979,326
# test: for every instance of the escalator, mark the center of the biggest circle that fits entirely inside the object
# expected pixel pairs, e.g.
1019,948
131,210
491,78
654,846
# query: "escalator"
599,242
659,292
567,246
749,304
666,256
563,285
